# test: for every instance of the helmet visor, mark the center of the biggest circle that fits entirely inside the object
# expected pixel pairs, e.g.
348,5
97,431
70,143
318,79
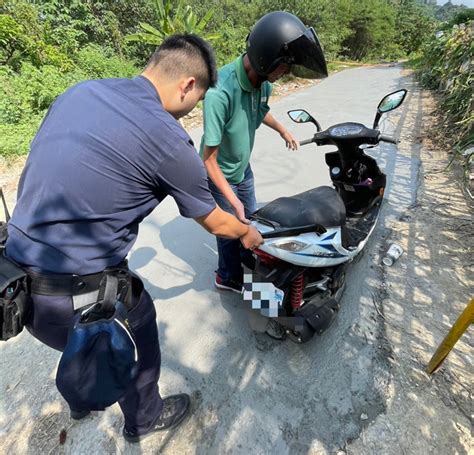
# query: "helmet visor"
306,56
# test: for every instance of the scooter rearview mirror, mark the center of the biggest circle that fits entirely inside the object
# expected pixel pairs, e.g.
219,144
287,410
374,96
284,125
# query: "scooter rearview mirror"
389,103
301,116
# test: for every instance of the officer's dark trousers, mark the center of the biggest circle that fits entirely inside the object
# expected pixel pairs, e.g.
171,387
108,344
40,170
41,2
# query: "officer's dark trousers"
142,404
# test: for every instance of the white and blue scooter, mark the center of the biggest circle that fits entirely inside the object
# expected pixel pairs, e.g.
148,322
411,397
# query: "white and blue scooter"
298,274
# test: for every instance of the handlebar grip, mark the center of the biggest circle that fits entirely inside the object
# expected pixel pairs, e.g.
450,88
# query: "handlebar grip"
388,139
307,141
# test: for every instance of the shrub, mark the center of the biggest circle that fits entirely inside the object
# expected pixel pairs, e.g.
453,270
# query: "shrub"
95,62
447,66
26,95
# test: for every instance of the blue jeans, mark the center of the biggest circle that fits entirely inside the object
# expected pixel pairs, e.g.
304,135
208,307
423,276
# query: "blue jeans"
231,252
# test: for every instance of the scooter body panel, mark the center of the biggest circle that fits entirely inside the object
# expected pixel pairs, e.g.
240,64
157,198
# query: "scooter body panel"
313,250
324,250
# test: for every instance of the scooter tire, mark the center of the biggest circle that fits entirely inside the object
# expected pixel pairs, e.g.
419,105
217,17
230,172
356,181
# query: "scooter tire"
275,330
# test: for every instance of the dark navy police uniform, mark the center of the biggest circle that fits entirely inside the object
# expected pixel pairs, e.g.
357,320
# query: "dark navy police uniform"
104,157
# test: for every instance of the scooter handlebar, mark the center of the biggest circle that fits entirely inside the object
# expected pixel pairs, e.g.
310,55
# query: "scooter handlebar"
388,139
307,141
321,139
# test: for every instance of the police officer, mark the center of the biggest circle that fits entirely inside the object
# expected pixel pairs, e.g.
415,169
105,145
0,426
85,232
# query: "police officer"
107,153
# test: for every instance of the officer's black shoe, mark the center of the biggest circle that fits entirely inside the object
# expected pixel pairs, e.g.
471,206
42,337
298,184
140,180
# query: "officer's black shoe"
78,415
175,409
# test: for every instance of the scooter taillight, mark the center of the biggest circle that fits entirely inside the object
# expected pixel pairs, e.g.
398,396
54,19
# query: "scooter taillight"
267,259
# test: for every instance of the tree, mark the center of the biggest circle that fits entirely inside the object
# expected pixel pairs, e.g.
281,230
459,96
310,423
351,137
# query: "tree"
448,11
11,38
372,33
462,17
414,25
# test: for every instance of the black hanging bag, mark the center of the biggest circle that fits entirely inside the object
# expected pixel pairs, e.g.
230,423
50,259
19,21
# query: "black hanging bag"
14,301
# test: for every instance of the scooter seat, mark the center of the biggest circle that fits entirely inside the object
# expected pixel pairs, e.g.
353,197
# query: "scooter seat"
321,205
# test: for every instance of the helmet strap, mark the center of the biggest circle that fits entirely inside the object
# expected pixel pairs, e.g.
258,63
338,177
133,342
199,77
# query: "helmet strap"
261,80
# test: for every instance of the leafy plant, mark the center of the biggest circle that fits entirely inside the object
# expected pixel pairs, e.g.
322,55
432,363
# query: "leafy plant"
171,20
11,38
447,65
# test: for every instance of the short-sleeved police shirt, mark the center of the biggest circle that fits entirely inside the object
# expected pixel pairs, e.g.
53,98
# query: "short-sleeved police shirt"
105,155
233,110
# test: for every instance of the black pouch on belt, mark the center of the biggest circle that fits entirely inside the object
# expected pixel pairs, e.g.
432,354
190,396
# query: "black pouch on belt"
3,224
15,303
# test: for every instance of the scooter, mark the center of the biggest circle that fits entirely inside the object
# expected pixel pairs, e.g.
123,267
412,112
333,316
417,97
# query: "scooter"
297,277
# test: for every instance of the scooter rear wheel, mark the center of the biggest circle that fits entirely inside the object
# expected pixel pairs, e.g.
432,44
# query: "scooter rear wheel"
275,330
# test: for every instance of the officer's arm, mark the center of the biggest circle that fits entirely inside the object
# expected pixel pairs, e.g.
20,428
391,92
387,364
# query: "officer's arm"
225,225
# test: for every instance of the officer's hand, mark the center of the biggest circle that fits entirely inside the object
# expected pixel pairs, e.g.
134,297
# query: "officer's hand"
252,239
291,142
240,212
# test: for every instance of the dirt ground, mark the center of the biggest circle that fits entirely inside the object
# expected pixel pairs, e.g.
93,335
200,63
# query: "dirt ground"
416,300
419,299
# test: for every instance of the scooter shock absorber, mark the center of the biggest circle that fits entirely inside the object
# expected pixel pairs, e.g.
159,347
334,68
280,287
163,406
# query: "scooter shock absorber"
297,287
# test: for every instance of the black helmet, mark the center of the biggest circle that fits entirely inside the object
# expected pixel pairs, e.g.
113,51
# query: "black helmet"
280,37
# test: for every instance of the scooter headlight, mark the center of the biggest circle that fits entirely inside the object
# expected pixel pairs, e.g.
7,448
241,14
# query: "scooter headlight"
290,245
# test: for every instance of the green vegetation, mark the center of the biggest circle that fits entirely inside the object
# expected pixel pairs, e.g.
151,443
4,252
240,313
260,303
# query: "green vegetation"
448,11
447,65
48,45
171,19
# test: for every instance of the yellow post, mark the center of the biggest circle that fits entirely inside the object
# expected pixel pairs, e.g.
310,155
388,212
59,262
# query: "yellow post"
459,327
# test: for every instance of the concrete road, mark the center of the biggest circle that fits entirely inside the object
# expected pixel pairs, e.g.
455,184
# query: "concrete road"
252,395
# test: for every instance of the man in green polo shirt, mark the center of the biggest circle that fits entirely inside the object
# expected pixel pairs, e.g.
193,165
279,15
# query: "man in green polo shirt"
236,107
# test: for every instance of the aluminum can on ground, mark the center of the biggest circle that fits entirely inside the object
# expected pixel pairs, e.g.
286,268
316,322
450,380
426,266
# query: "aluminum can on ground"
393,253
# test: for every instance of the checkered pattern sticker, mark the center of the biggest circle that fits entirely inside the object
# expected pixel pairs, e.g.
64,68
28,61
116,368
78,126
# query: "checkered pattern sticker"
263,296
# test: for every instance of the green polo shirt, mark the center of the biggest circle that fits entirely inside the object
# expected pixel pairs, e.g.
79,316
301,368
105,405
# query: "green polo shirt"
233,110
